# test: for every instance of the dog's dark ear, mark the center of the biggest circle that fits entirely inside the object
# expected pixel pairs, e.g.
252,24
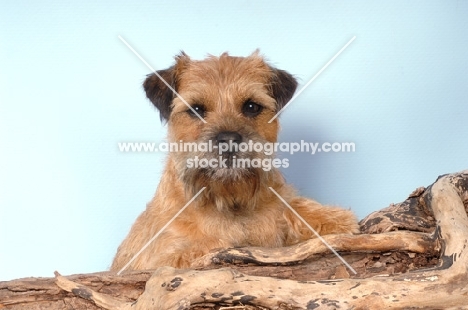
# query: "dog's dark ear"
282,87
158,92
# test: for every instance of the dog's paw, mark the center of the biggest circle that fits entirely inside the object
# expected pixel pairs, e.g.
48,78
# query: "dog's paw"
324,220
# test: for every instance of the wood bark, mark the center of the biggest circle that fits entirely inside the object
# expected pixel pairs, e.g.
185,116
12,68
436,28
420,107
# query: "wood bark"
409,255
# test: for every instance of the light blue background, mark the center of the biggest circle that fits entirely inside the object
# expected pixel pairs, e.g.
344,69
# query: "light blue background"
70,90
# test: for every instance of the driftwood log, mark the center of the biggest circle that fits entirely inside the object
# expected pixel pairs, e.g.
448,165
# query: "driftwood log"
411,255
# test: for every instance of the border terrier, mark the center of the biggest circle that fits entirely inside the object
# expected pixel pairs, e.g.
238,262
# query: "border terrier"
236,96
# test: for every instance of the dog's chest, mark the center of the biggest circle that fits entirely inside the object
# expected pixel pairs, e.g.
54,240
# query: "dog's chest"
238,228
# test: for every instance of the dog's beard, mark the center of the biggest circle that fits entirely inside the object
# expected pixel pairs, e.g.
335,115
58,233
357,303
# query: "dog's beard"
231,186
224,162
225,168
230,167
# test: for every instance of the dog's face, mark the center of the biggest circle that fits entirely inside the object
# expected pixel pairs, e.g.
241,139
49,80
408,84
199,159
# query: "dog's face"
236,96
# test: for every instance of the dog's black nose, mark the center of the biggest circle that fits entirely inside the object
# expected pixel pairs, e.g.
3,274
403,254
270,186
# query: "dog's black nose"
228,136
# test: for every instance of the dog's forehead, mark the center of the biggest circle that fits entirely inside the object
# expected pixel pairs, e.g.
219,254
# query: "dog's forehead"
226,78
227,69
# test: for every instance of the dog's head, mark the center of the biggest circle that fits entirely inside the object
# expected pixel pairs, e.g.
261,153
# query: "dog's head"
220,101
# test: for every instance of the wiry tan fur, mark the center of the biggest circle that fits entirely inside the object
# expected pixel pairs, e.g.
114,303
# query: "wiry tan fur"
237,208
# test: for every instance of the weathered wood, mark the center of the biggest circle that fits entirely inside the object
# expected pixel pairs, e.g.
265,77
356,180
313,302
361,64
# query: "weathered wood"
412,214
43,293
407,239
392,241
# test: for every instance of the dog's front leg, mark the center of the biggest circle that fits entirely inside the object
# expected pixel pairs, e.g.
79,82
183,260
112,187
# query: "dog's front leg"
323,219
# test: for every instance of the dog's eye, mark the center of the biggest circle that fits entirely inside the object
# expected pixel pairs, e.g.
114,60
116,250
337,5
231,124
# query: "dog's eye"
200,109
251,109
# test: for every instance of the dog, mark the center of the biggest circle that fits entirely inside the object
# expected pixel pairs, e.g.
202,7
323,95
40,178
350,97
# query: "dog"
231,101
